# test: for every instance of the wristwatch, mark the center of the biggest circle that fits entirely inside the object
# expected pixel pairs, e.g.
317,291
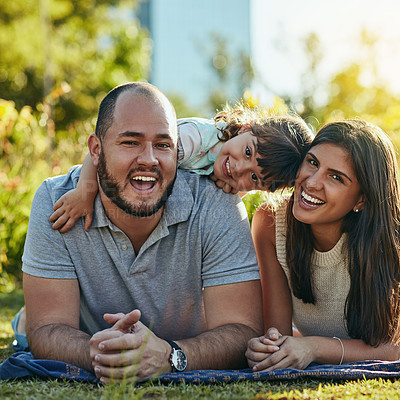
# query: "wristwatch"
177,358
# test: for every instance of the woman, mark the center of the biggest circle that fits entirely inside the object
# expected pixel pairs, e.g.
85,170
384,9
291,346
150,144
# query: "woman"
330,255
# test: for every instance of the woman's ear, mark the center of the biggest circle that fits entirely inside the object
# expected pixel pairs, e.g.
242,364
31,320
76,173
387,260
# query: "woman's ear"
360,204
94,145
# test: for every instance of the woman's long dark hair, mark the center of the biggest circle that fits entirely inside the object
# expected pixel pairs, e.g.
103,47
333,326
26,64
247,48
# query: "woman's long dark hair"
373,246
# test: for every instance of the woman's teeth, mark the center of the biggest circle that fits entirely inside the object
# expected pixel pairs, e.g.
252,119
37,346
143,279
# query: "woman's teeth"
311,199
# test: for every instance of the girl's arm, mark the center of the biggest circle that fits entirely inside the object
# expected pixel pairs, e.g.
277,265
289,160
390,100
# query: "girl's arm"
277,302
77,202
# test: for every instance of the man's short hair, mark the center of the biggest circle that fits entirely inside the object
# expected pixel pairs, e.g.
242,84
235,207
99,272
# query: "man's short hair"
106,110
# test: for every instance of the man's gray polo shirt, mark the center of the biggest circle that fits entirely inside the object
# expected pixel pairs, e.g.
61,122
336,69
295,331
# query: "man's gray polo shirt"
203,239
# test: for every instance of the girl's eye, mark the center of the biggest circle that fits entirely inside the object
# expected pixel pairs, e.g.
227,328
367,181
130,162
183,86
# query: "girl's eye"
248,152
254,177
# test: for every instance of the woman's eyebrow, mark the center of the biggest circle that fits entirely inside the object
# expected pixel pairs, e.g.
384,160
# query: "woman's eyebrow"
335,171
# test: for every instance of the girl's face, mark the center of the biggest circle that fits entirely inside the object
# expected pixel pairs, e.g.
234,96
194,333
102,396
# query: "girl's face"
237,165
326,187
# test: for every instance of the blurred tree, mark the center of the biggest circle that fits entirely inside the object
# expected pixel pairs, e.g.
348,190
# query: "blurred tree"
227,68
357,91
67,54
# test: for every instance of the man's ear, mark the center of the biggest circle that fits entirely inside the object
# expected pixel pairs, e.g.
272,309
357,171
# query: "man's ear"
94,145
360,204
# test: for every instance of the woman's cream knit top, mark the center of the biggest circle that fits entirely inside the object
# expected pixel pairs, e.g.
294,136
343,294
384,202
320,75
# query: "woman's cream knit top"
331,283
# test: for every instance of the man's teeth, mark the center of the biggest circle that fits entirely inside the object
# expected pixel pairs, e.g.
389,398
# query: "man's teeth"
228,168
144,178
311,199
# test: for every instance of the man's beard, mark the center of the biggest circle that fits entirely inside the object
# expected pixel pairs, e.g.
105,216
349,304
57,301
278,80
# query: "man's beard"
113,191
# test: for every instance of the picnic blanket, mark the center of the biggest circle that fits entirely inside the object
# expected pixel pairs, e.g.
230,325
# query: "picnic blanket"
23,364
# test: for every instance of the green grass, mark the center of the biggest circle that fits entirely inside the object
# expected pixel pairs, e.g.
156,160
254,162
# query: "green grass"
34,388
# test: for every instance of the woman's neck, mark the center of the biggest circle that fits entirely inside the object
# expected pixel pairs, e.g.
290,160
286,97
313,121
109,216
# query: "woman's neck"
325,238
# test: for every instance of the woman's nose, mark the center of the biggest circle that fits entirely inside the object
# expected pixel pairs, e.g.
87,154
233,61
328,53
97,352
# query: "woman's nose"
314,181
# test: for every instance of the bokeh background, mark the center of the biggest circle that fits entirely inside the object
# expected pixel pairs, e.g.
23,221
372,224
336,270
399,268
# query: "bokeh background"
323,59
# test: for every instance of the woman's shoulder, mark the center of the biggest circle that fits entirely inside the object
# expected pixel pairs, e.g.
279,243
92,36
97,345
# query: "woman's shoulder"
268,215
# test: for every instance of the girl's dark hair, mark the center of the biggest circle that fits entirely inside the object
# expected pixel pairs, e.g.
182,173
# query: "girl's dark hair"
372,248
282,142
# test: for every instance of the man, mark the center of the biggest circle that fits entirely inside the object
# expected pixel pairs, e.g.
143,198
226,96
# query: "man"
168,257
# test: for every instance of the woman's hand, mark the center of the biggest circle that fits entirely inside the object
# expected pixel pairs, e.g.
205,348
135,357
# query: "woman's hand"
294,352
261,348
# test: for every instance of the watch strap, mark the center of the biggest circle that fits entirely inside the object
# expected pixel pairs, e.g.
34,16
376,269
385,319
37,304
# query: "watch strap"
173,345
172,359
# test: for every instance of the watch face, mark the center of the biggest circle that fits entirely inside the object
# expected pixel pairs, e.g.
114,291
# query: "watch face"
179,360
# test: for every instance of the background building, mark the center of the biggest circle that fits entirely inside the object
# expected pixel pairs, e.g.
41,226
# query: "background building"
201,49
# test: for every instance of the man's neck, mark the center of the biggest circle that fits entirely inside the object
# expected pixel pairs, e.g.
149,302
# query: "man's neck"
138,229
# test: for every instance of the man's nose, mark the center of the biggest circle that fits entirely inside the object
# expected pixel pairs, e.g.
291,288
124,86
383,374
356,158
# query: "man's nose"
147,156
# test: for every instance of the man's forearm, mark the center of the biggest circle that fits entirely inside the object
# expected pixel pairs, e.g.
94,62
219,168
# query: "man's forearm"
221,348
62,343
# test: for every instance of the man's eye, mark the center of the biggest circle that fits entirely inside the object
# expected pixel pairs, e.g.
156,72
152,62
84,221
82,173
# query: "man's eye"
164,145
248,151
129,142
254,177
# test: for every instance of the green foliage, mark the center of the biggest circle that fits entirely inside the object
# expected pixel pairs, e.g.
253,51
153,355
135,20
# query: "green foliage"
27,157
252,200
68,54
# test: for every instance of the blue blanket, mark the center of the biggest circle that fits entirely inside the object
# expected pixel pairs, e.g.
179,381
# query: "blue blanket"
22,364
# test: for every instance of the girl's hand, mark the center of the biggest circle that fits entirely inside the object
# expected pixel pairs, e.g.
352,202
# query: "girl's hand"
223,185
69,208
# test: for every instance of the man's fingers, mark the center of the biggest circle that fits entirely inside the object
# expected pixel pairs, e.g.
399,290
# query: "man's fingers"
127,322
113,318
120,343
114,360
108,374
105,335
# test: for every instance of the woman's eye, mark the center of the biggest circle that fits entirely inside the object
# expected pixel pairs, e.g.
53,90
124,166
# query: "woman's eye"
254,177
248,151
337,178
311,161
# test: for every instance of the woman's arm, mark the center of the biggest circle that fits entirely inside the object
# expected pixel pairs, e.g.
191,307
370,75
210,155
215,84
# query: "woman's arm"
277,302
299,352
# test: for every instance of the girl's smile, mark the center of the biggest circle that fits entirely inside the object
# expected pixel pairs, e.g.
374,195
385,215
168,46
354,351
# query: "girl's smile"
237,164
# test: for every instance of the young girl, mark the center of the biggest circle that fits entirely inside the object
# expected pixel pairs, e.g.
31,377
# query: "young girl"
329,255
240,149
